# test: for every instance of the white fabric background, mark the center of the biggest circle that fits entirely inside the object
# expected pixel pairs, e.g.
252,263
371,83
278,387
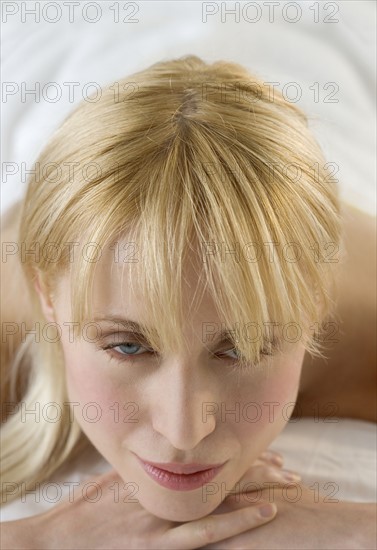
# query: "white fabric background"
303,52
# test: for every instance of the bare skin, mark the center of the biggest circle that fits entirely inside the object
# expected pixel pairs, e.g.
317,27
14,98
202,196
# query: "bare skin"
126,524
304,520
312,383
344,385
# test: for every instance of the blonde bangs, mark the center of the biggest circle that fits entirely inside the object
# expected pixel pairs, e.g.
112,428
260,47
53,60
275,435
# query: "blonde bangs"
200,189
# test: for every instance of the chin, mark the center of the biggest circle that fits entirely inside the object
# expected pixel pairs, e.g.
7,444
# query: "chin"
172,508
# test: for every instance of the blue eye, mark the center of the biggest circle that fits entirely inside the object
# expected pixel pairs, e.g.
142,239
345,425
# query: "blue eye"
238,357
235,351
128,348
126,351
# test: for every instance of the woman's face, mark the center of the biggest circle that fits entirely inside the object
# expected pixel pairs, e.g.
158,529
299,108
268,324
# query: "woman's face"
183,407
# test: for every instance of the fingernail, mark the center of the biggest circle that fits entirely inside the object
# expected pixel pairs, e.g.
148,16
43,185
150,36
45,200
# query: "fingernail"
277,460
290,476
267,510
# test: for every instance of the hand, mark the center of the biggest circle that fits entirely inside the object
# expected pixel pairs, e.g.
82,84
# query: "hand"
108,523
266,468
304,520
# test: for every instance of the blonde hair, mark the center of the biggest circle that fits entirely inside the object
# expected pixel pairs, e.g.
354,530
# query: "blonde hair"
184,154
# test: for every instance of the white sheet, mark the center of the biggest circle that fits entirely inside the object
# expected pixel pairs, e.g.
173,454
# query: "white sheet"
304,52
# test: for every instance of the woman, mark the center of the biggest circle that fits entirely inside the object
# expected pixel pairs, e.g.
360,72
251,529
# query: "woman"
175,236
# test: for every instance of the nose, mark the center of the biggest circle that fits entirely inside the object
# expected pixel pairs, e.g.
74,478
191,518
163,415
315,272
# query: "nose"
180,408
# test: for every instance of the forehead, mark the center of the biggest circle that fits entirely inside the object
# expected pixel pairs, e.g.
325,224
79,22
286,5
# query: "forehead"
113,295
116,285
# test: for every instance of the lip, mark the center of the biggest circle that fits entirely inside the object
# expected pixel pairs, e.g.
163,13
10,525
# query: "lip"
179,476
180,467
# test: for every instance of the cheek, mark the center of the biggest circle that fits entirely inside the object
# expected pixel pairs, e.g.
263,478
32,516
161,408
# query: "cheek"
280,393
101,406
85,380
266,409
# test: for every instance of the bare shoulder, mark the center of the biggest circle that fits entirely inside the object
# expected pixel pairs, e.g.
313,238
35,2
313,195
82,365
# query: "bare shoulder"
16,304
346,379
12,279
360,243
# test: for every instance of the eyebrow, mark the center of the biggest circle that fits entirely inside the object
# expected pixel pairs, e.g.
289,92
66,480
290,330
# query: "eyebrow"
129,325
140,329
124,323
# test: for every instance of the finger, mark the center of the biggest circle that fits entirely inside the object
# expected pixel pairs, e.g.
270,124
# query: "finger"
272,456
214,528
268,472
258,476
